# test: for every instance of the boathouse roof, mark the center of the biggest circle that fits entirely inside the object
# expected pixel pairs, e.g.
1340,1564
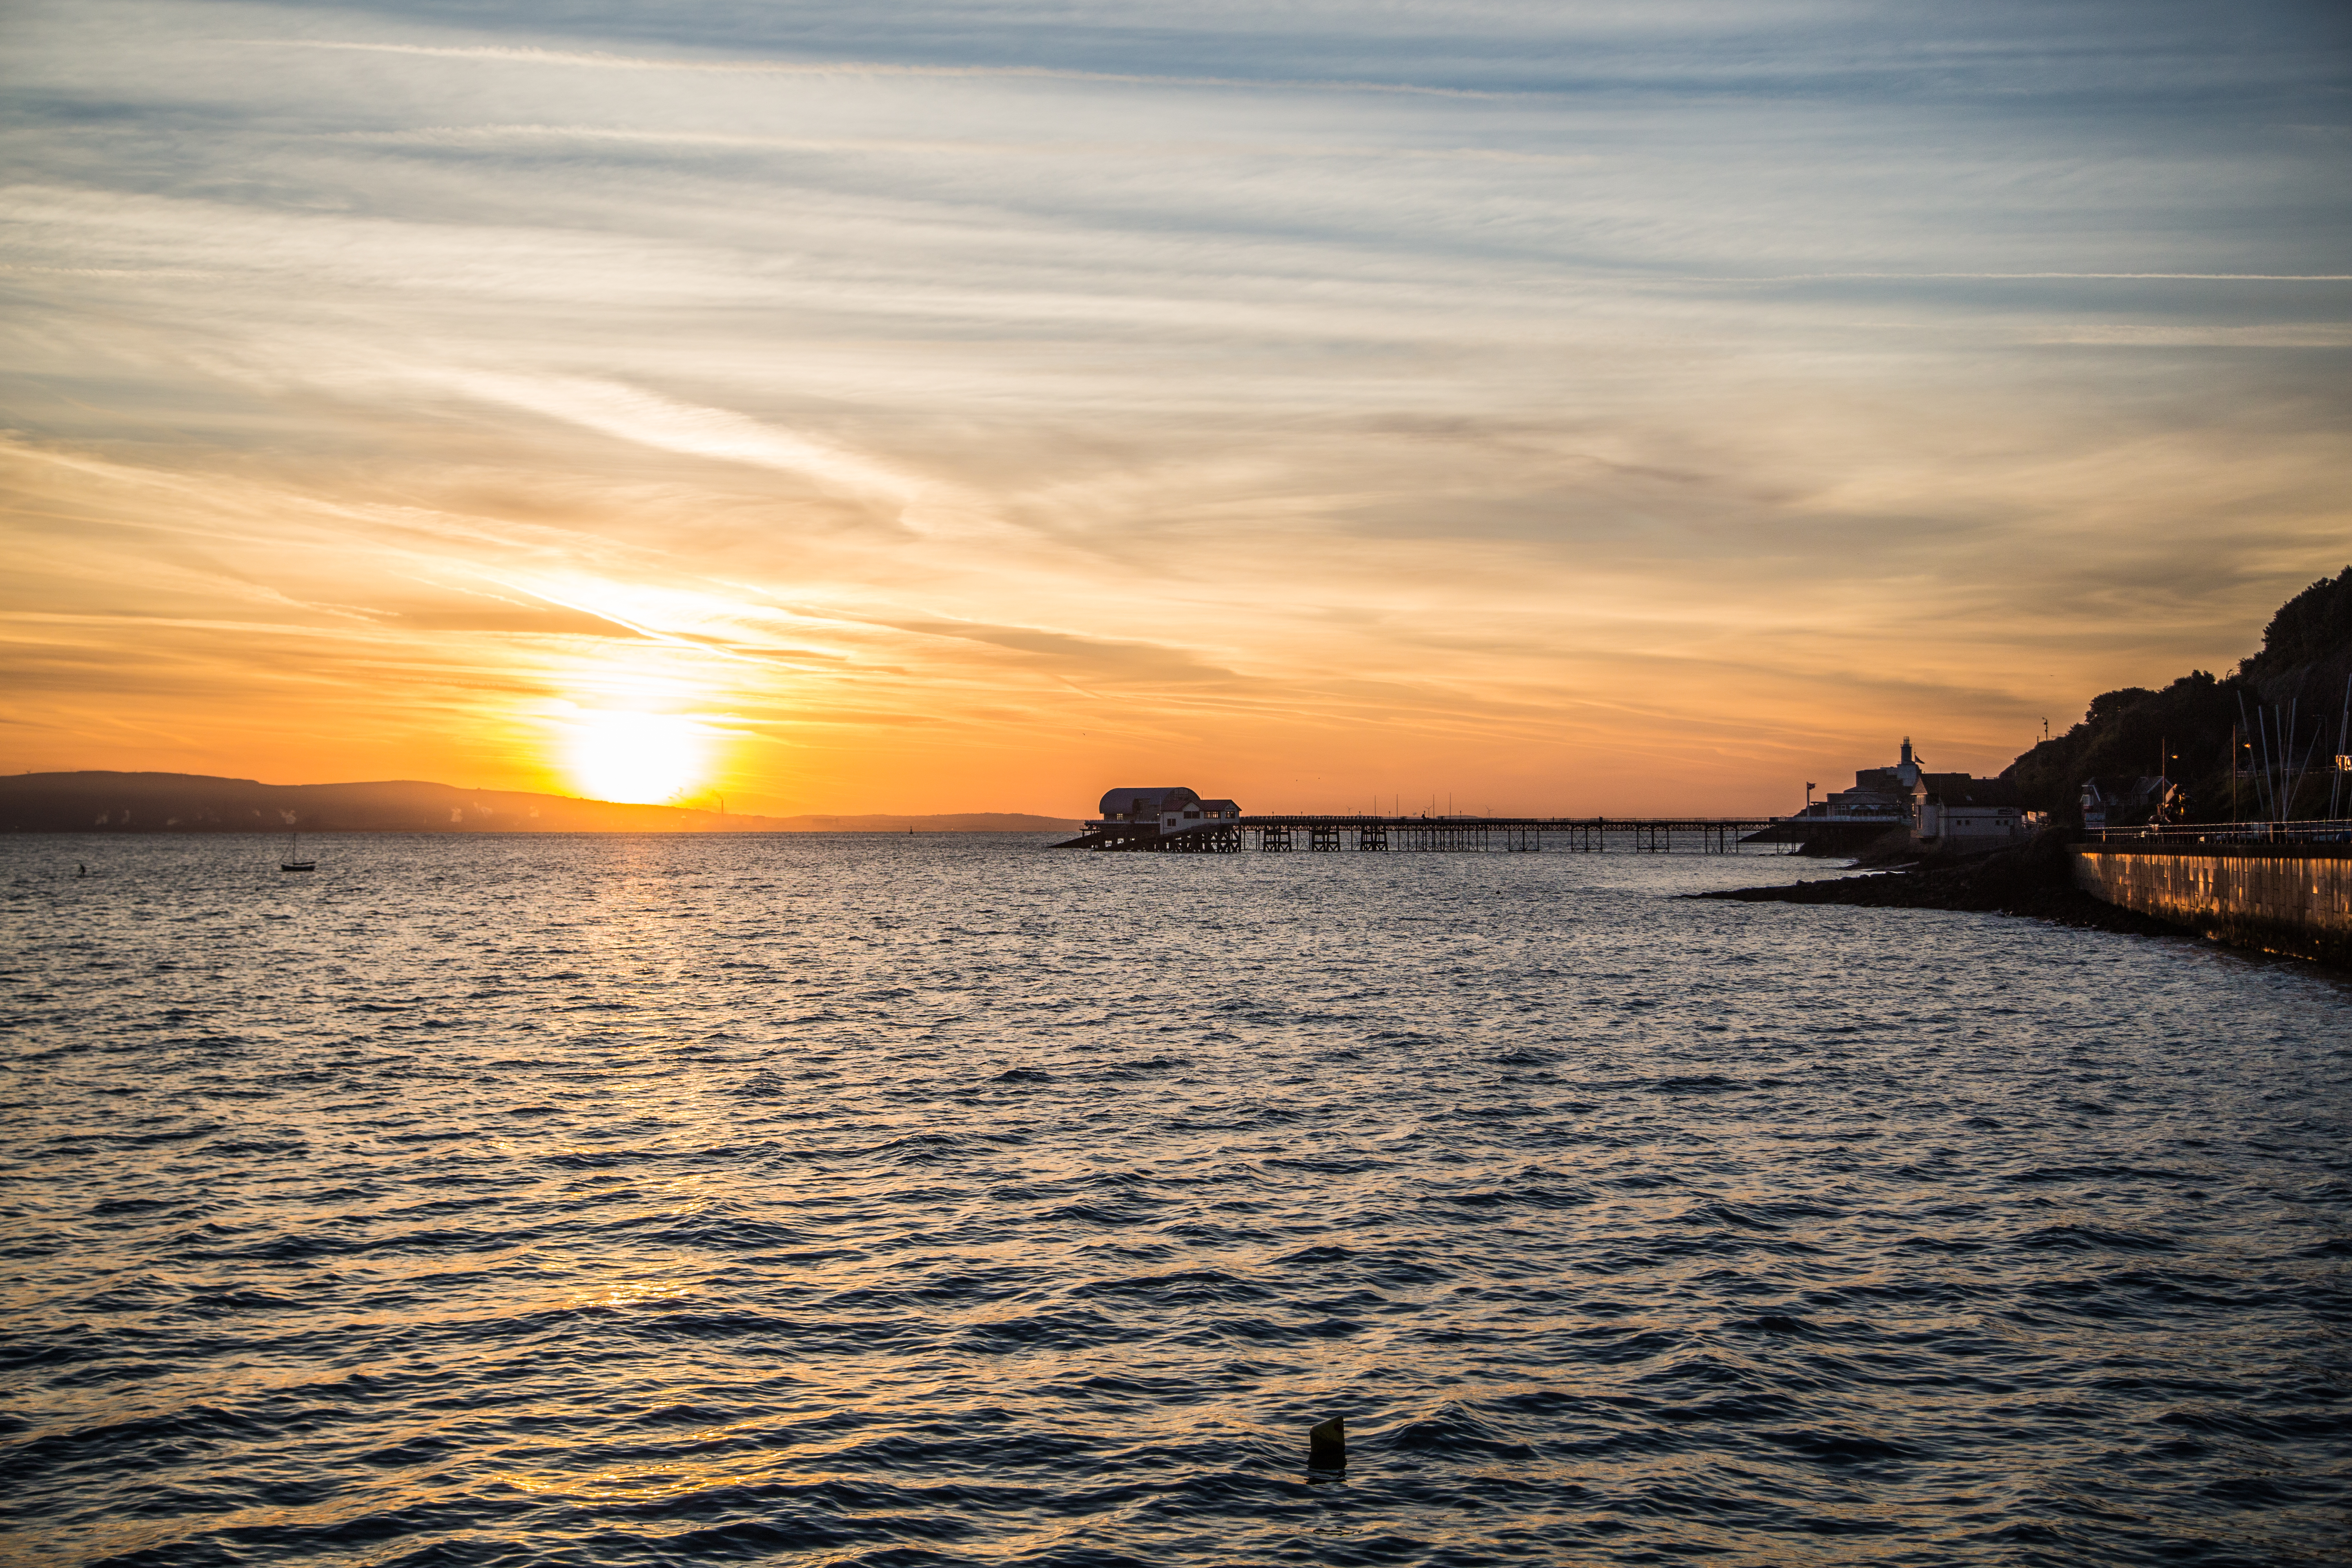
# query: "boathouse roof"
1127,801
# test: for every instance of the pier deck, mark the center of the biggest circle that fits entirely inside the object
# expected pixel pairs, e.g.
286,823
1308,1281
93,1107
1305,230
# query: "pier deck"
1512,834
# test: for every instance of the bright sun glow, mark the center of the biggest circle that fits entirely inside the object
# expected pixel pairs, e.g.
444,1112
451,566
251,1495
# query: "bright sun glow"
645,758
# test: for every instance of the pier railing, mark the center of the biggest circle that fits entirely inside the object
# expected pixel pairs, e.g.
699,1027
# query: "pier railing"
2337,830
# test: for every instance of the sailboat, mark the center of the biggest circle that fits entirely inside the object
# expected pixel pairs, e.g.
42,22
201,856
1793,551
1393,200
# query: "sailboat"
293,862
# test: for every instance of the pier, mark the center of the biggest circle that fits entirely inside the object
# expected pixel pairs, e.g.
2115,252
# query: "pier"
1317,833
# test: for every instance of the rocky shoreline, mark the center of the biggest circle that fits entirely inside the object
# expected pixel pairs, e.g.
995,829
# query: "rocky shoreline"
2032,881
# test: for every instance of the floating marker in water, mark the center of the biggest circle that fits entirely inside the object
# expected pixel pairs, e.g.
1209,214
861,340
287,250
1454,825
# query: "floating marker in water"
1326,1445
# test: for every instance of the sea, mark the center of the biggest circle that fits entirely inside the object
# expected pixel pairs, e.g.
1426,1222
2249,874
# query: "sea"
938,1200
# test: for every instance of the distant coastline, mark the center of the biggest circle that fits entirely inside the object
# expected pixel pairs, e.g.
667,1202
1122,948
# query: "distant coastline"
94,802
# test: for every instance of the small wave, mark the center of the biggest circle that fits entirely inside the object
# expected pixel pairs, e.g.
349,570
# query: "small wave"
1454,1430
2099,1172
1191,1288
1704,1083
1841,1447
2083,1237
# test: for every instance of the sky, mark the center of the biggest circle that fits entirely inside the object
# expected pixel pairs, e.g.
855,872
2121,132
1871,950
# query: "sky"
1525,407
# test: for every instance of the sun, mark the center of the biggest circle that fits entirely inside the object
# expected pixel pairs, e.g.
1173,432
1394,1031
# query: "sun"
639,758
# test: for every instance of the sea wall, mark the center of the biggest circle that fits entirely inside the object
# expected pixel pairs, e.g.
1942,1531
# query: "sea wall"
2291,899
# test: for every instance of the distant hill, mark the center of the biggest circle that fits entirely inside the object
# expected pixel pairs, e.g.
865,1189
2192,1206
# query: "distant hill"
194,803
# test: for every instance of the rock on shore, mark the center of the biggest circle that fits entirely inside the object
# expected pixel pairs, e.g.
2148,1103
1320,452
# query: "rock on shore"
2033,880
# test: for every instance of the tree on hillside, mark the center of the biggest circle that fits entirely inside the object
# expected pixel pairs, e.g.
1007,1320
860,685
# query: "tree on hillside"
2185,730
2308,644
2183,733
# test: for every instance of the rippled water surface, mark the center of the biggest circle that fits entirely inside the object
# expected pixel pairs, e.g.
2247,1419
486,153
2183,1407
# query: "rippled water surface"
868,1200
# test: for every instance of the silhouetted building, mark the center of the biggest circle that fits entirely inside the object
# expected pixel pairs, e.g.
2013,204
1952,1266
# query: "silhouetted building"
1880,796
1952,810
2128,801
1165,808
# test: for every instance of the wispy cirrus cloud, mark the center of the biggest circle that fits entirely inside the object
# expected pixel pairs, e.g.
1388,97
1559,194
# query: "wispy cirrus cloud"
629,414
510,55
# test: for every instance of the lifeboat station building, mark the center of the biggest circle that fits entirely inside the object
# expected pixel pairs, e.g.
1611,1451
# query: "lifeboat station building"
1169,815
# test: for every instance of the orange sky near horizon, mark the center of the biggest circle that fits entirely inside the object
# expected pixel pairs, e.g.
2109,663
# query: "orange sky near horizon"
717,416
